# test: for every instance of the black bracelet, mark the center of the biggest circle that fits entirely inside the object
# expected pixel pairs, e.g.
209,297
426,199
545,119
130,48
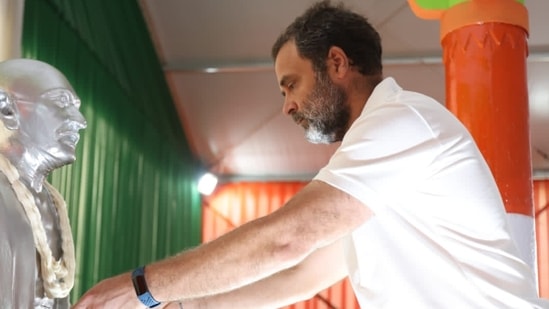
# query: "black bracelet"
141,289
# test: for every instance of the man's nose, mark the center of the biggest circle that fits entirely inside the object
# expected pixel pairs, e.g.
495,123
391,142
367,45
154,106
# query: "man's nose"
289,106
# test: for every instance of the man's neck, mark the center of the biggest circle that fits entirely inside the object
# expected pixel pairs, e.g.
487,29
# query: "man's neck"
362,88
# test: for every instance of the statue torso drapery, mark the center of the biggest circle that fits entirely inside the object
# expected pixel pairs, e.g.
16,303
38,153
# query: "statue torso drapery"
20,268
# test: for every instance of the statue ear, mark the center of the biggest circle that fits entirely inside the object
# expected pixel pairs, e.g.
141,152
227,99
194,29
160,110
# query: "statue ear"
8,111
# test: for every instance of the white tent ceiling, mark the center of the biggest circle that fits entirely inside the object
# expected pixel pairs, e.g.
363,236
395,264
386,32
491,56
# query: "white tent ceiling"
216,57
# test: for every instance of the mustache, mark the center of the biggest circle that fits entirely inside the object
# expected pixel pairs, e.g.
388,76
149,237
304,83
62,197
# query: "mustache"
298,117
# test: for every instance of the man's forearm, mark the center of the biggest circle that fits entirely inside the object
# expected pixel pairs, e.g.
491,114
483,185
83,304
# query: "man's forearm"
316,217
290,286
203,271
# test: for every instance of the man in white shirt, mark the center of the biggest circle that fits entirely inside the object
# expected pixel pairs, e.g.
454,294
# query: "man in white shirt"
406,207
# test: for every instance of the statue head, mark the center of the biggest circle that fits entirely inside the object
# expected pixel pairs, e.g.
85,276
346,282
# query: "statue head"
40,113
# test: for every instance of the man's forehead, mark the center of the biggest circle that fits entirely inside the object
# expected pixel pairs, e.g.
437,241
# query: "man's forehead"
289,62
287,54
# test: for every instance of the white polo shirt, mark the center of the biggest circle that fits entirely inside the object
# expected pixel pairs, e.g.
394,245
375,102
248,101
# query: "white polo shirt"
439,237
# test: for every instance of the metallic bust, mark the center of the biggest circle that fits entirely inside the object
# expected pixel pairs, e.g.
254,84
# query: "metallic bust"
40,120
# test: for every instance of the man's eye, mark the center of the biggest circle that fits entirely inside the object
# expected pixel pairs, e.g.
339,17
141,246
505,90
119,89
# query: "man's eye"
291,86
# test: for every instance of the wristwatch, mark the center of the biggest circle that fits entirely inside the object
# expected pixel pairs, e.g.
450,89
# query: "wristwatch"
141,289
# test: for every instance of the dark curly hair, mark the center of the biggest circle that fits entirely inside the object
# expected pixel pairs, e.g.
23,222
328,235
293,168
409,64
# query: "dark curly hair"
325,25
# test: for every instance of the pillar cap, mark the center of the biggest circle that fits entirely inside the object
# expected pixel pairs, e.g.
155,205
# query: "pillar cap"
454,14
483,11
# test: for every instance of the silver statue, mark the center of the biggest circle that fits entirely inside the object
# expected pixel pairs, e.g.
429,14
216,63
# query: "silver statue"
39,132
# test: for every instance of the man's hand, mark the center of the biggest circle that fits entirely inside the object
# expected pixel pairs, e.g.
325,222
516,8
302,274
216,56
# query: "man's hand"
115,292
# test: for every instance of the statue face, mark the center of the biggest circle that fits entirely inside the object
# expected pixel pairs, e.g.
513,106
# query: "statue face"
49,125
42,114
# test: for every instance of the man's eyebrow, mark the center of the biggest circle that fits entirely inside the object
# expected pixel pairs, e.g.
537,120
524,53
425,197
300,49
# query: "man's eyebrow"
284,81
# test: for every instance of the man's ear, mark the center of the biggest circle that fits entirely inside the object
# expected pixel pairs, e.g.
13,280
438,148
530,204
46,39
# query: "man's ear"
338,63
8,111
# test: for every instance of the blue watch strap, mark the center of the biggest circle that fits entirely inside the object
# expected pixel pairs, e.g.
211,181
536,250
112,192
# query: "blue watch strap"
141,289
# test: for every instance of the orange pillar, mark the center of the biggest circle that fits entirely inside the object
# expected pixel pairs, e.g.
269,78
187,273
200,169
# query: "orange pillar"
486,87
485,49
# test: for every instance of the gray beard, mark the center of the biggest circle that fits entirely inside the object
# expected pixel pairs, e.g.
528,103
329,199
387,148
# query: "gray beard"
315,136
328,114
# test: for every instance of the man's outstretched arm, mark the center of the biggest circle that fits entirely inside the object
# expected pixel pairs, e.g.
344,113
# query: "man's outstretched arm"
315,217
320,270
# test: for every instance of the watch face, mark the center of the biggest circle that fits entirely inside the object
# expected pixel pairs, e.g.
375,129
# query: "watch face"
140,285
141,289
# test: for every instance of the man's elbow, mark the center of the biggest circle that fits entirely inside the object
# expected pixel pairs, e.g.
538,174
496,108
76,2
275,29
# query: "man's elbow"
291,252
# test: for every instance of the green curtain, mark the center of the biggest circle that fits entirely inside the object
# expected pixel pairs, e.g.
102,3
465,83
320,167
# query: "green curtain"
131,193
